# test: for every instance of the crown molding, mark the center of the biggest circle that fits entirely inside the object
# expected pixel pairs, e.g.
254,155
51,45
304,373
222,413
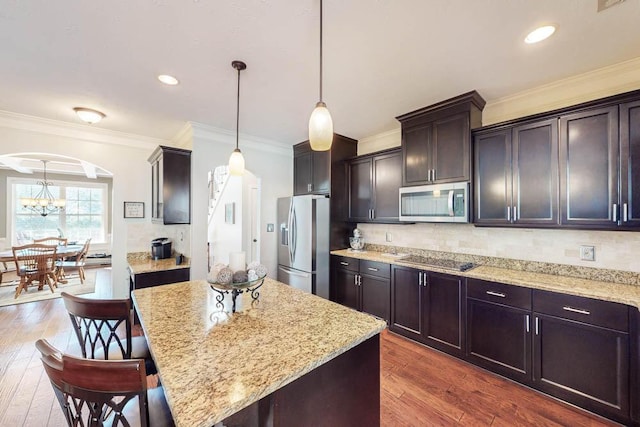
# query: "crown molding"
193,130
40,125
592,85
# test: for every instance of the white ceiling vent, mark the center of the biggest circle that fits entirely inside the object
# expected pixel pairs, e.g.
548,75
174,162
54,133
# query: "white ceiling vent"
606,4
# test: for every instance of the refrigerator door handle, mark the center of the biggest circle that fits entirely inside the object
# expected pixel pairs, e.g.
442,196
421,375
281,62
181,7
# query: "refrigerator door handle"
293,273
293,234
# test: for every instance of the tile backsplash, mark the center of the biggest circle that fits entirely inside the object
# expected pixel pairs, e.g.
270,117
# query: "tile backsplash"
140,234
614,250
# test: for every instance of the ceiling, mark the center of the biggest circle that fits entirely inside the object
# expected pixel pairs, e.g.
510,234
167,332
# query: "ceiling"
382,58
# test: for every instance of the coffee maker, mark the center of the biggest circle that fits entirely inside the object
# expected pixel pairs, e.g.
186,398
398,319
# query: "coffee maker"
161,248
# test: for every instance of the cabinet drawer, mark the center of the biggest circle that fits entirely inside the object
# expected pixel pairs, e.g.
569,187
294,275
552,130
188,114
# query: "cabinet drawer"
514,296
374,268
588,310
347,263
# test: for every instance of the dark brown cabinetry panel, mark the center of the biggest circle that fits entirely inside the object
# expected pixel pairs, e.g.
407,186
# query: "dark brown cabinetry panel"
303,172
170,185
374,183
630,163
436,140
589,167
362,285
406,303
516,175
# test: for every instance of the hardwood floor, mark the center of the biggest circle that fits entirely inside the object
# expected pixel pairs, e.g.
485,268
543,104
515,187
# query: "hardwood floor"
419,386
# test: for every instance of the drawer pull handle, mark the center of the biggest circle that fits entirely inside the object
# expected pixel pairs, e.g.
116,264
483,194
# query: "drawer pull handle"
372,269
576,310
344,263
497,294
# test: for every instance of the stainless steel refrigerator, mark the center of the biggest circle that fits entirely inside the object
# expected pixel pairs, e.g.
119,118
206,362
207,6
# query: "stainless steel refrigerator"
303,243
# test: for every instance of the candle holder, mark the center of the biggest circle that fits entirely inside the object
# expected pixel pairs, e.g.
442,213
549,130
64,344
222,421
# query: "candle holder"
235,289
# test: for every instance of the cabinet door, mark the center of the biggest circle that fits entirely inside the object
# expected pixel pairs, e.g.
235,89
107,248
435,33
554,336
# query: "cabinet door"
387,179
535,173
346,288
450,149
492,190
406,308
321,182
498,338
360,190
416,153
156,195
375,296
302,173
442,313
176,187
582,364
630,163
589,168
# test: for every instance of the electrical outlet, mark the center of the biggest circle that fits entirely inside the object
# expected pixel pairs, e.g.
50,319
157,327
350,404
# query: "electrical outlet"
389,237
587,253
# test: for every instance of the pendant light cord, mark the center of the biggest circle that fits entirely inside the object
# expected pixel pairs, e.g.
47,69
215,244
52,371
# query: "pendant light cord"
238,112
320,50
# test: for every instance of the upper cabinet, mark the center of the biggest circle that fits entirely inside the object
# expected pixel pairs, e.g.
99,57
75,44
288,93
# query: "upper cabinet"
516,179
569,168
170,185
313,170
436,140
374,183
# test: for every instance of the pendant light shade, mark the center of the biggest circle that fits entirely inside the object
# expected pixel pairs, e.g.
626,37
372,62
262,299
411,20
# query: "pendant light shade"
320,122
236,161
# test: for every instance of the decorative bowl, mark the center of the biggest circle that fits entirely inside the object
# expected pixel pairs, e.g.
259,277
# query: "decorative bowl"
236,286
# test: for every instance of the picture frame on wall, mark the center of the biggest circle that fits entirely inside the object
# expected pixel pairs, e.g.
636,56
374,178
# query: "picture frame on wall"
134,209
230,213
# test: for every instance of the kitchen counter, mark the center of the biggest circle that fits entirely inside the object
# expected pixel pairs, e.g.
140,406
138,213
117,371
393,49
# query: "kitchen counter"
600,289
141,262
213,364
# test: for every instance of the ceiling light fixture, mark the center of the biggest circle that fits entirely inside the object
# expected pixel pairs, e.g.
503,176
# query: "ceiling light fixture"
539,34
320,122
236,161
43,203
88,115
168,80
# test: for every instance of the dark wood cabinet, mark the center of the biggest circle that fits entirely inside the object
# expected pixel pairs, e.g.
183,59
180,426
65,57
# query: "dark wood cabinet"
362,285
428,307
374,182
581,352
499,328
436,140
630,164
170,185
589,168
156,278
516,175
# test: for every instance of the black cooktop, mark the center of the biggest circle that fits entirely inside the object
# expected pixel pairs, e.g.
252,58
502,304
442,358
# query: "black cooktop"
447,264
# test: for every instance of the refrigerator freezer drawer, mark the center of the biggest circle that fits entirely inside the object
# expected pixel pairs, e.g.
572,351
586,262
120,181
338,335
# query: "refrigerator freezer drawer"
296,279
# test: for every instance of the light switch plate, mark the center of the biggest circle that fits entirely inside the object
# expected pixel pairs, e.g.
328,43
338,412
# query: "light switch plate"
389,237
270,228
587,253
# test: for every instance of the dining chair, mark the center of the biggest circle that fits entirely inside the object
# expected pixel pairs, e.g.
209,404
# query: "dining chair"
76,262
58,241
99,324
103,392
35,262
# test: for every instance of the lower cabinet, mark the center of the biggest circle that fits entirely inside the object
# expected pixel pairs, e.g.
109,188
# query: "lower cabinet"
428,307
362,285
156,278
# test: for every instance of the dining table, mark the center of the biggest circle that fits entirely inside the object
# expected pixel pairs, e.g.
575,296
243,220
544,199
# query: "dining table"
284,357
62,252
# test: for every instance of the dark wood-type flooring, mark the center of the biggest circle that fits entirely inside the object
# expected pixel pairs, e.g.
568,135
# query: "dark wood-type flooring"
419,386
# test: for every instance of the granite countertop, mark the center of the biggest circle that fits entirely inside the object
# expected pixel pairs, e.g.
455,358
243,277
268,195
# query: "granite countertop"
624,293
141,262
213,364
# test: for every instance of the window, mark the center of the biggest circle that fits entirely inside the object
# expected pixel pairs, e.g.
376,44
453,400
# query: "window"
84,216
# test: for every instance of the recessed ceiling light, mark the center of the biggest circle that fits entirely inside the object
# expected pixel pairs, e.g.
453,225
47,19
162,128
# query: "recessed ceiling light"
88,115
168,80
540,34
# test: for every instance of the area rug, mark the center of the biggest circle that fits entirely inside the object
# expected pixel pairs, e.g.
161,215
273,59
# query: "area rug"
73,286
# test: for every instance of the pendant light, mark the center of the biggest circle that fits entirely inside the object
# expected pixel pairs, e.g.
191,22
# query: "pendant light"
44,202
236,161
320,122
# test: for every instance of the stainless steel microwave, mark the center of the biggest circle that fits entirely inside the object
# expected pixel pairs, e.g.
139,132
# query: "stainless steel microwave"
435,203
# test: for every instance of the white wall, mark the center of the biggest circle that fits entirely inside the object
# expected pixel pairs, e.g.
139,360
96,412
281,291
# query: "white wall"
269,161
125,156
226,237
614,250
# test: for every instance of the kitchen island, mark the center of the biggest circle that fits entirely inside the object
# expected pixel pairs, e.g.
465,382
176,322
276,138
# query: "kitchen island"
288,358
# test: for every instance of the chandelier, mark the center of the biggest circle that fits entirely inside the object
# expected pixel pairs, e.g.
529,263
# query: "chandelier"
44,202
